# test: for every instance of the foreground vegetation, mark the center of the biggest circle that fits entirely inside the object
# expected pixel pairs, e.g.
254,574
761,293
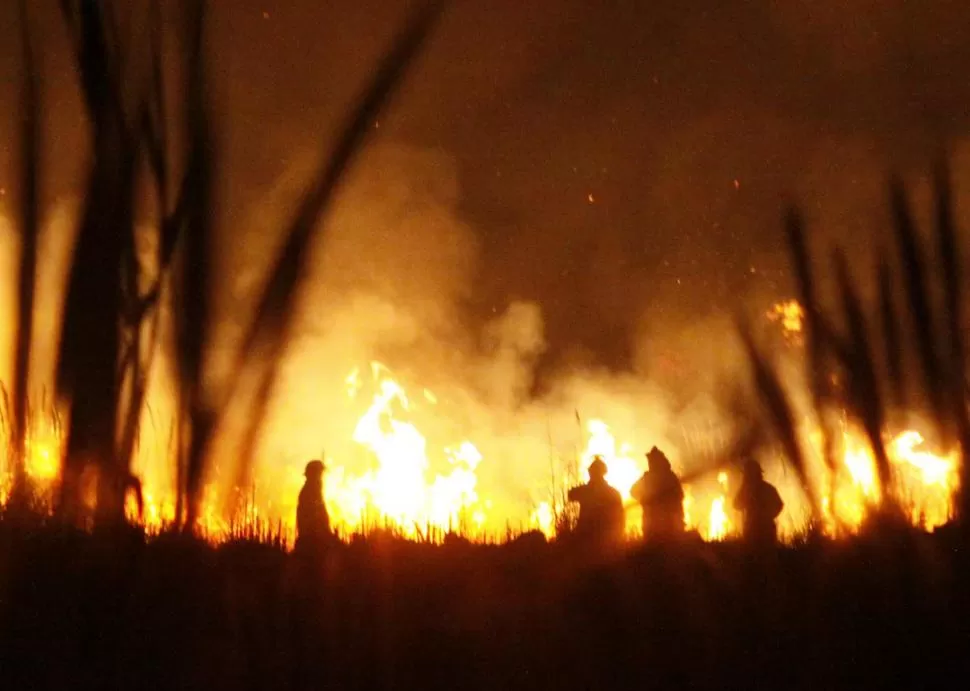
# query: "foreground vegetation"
114,610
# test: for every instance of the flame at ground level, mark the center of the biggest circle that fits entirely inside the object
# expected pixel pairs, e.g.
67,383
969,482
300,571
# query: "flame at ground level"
423,490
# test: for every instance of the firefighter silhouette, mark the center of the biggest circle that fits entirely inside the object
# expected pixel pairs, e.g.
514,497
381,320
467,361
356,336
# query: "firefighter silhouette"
759,504
312,520
660,495
600,507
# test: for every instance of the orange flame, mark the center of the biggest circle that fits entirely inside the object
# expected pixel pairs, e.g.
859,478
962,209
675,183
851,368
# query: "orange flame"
423,490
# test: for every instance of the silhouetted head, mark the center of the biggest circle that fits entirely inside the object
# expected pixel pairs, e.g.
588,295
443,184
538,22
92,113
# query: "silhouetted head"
658,460
314,470
597,469
753,469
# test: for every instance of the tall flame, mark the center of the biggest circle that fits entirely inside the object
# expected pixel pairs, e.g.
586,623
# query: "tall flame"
923,482
402,492
718,523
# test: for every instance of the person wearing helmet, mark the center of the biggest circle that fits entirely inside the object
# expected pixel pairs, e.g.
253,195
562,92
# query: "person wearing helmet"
759,504
312,520
600,507
661,497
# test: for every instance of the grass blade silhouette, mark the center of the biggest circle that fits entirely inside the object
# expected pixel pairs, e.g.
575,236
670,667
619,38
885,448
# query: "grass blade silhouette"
954,361
863,390
271,326
89,349
95,374
891,335
948,252
780,412
918,303
141,309
818,338
27,265
192,324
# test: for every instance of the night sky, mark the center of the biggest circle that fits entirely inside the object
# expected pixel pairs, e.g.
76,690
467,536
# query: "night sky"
623,164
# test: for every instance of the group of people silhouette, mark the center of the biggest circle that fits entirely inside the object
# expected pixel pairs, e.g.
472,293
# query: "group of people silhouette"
661,497
601,512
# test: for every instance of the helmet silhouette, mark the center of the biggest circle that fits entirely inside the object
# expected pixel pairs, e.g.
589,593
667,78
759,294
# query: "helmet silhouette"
661,498
752,467
597,468
658,459
313,469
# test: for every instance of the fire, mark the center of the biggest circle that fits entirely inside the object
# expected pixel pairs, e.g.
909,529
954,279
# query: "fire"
718,523
718,520
543,519
622,469
923,482
927,480
392,473
688,505
42,459
933,469
398,492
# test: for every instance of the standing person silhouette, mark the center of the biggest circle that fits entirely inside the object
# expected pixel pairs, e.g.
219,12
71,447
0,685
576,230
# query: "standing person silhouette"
759,504
661,497
600,507
312,519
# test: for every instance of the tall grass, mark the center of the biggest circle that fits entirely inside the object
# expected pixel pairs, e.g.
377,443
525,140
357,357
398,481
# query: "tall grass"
863,346
109,333
270,330
27,261
89,352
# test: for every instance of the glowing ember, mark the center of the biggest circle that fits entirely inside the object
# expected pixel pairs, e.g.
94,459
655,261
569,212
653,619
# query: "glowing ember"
790,315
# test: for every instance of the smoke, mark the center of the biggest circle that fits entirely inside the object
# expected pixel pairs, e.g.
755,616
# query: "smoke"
690,138
393,272
564,208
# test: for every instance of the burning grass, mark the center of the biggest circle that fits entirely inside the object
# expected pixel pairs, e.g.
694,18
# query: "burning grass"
402,493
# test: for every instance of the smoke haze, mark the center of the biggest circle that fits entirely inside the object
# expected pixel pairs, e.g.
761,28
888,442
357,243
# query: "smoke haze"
560,213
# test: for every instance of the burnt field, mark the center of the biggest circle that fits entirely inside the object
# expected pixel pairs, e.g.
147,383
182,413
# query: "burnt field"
82,610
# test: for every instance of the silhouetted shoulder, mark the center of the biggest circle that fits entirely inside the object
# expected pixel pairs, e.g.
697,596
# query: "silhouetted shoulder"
774,501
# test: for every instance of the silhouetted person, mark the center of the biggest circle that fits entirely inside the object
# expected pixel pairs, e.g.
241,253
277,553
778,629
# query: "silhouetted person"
759,504
661,497
312,520
600,507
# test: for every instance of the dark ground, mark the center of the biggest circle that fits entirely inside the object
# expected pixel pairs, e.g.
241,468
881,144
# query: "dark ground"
82,611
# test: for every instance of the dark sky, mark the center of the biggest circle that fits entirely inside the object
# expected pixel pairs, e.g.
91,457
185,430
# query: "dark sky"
688,124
